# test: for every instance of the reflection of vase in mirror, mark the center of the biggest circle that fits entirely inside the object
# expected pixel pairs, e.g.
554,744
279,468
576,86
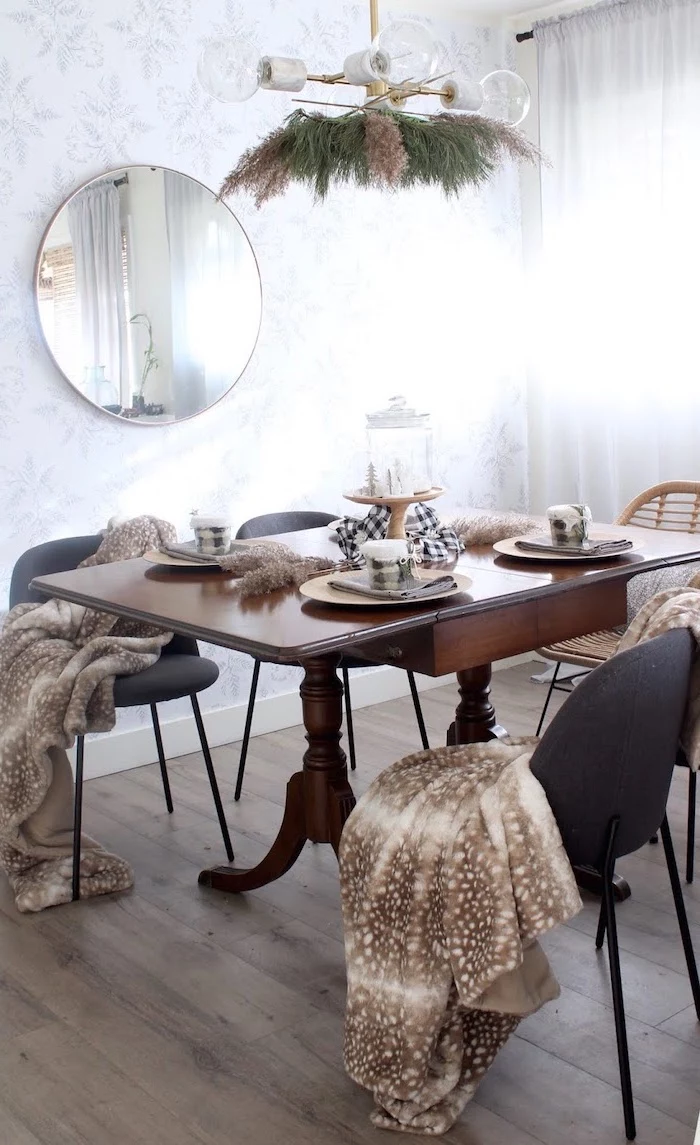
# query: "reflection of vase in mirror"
99,388
148,294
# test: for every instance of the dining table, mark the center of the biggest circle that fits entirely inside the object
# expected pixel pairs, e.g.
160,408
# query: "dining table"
512,605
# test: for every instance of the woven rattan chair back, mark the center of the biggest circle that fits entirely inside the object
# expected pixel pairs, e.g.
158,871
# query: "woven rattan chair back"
672,505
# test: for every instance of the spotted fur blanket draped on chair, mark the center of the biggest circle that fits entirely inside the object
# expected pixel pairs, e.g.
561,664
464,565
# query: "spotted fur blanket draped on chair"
677,607
57,667
451,866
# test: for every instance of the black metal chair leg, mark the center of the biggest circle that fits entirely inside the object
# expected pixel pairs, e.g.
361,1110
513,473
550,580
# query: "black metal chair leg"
78,814
348,719
212,777
616,983
418,710
552,682
161,759
246,731
690,852
600,933
681,913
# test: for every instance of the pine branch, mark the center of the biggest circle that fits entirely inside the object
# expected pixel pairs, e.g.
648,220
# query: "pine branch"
378,148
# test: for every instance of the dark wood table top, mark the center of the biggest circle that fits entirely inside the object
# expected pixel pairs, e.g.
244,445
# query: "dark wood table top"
286,627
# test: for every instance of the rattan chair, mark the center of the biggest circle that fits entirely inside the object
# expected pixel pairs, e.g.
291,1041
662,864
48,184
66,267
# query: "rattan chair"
673,506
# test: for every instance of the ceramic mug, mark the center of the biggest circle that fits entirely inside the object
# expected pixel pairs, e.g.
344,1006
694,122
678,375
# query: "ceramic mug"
212,535
569,524
388,564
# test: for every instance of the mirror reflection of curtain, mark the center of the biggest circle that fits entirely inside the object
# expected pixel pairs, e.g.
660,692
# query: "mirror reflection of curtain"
95,228
212,308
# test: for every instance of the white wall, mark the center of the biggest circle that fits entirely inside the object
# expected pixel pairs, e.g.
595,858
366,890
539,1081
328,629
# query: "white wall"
363,295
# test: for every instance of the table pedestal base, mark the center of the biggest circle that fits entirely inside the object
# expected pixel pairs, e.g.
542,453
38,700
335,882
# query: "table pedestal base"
592,881
319,798
475,718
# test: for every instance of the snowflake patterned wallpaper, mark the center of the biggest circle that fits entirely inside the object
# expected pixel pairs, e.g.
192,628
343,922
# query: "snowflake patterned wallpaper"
365,296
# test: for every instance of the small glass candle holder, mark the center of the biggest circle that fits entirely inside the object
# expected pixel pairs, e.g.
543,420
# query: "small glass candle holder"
212,535
569,524
389,564
400,452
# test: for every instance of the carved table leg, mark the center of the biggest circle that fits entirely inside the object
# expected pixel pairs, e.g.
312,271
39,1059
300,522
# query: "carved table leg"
319,798
475,718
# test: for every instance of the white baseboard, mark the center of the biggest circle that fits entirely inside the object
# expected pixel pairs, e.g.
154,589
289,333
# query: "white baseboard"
120,751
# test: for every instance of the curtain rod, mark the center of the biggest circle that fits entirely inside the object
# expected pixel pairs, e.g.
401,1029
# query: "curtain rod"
520,36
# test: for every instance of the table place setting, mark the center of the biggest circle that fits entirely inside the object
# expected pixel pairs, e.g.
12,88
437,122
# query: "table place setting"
569,539
391,576
375,572
259,566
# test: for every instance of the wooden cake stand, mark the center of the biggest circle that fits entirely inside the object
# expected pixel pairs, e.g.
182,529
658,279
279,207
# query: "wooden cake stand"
396,530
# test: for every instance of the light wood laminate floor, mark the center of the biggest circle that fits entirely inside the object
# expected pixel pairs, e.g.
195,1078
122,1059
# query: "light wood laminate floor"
174,1015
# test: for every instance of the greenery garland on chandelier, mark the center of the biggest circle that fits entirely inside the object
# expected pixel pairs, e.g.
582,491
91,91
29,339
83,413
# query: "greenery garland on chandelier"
373,148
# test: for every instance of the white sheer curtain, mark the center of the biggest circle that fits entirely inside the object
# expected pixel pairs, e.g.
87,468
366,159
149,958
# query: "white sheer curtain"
614,394
212,300
95,228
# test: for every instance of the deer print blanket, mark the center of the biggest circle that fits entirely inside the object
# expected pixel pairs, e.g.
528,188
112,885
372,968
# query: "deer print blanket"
57,667
451,867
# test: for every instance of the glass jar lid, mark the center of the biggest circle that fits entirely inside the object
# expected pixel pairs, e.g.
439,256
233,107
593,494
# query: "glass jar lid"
397,416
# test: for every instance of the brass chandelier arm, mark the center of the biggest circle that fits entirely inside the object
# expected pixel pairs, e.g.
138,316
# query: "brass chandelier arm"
335,77
386,91
339,78
374,18
418,91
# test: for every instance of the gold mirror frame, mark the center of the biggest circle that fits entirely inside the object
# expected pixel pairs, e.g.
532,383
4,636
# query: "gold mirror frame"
120,172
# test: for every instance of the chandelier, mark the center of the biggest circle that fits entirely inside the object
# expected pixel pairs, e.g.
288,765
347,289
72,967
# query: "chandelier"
379,141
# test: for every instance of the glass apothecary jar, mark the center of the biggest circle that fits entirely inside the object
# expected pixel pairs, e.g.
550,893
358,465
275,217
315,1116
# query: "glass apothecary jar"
400,450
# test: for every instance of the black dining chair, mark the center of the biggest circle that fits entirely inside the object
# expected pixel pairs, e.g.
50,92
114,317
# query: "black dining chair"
180,671
605,763
670,506
268,525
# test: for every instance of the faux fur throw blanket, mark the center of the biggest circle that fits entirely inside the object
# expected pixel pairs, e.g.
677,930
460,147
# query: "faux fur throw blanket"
451,866
675,608
57,667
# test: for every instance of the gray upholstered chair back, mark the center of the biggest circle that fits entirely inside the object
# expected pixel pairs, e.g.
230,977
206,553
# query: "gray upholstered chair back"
611,749
61,556
42,560
292,522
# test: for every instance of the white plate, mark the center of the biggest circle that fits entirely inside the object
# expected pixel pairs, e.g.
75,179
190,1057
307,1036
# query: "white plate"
509,549
318,588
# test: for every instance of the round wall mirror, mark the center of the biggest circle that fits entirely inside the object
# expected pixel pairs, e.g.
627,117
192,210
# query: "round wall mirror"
149,294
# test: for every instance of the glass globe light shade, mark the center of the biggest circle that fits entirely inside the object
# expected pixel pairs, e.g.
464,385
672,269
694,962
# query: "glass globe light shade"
404,53
506,97
230,69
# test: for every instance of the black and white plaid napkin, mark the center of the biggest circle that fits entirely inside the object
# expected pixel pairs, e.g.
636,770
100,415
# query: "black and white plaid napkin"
432,541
